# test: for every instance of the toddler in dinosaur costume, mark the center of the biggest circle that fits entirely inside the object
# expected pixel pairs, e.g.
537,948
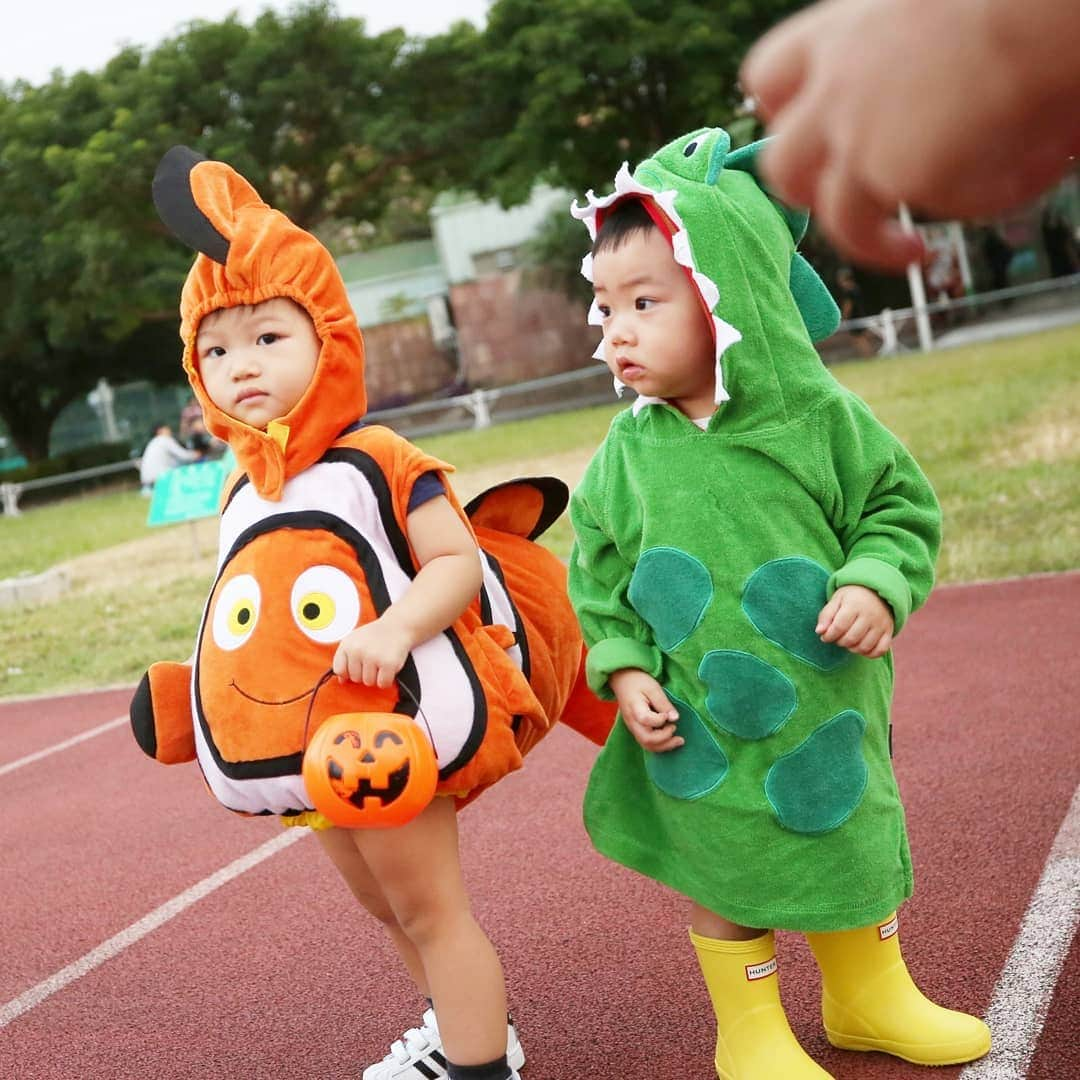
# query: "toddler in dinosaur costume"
749,539
344,552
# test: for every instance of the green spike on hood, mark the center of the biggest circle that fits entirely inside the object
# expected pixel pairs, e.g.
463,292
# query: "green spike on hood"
738,245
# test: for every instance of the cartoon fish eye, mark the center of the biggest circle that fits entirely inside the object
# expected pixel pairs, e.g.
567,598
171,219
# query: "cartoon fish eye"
236,612
690,148
325,603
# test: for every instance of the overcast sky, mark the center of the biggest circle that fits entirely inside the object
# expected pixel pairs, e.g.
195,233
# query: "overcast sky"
37,36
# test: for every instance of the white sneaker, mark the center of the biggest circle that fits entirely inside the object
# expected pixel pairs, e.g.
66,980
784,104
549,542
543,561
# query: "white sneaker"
418,1054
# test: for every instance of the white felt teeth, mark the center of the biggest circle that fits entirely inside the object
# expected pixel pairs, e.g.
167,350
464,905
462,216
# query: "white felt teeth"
707,287
625,184
680,247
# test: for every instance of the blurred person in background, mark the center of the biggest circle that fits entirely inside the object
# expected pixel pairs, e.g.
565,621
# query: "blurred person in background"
849,299
162,453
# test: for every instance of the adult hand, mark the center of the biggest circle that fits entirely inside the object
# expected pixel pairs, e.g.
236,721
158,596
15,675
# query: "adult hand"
959,109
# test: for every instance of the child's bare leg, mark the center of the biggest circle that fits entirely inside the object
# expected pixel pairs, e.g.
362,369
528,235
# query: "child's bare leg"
419,873
340,845
708,924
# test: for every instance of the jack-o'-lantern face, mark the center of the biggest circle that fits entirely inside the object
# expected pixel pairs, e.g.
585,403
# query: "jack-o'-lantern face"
370,770
379,771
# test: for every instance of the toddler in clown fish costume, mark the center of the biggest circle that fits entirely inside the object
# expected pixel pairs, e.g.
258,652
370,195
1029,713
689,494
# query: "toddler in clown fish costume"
748,540
343,549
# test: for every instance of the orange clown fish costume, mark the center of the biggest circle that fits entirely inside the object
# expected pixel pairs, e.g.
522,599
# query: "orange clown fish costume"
313,543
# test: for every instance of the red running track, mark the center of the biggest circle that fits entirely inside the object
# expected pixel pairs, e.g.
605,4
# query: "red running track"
276,975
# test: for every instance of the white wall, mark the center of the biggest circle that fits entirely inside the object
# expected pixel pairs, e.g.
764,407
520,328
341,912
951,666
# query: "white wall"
465,229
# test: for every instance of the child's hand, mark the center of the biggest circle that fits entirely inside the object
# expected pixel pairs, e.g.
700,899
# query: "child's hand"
856,618
372,654
645,709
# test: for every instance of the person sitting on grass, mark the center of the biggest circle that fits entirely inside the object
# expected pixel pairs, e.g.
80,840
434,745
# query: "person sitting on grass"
162,453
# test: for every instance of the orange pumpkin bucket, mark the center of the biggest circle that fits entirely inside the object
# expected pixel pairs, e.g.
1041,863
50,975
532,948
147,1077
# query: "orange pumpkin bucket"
370,770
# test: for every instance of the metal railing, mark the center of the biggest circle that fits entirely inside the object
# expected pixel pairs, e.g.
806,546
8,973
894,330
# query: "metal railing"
887,324
591,385
481,407
11,492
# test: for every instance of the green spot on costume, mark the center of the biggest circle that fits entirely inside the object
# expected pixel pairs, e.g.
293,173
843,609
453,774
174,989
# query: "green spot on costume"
704,557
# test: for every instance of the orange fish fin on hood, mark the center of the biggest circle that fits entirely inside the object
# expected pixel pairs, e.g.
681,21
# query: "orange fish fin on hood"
527,506
198,200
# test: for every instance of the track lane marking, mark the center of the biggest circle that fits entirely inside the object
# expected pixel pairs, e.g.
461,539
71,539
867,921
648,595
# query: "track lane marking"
11,766
1026,986
148,923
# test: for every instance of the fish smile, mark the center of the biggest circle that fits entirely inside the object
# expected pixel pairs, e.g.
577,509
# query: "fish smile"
261,701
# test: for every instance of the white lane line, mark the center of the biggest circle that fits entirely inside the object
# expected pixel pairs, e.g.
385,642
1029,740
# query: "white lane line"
169,910
1026,986
11,766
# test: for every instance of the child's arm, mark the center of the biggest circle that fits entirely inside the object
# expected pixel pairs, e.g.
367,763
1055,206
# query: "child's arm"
616,636
622,661
449,578
887,519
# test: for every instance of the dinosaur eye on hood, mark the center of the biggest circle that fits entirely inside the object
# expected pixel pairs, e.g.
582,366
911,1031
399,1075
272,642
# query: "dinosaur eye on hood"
325,604
690,149
236,612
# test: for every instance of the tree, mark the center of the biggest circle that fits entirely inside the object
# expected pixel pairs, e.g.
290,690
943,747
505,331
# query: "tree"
574,87
66,319
297,103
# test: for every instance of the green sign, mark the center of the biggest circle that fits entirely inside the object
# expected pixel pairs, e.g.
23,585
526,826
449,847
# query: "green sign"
189,491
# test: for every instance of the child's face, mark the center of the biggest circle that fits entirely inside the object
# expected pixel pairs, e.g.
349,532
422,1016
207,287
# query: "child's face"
256,362
656,335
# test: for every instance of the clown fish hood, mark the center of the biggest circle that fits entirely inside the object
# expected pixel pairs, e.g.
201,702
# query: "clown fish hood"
247,253
737,245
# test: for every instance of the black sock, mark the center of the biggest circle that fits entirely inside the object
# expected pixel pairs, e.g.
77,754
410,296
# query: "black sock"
493,1070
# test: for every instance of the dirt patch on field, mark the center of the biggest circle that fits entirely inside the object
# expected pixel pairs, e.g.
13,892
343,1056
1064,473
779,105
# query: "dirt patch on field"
191,549
1052,435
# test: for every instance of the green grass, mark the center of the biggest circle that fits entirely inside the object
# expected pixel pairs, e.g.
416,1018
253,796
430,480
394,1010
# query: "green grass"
98,638
43,536
996,427
539,436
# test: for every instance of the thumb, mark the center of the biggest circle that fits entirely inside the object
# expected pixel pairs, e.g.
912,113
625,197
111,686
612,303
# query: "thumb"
659,703
827,613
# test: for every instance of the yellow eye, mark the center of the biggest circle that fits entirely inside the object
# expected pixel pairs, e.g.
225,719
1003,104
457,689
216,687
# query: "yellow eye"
315,610
241,617
236,611
325,603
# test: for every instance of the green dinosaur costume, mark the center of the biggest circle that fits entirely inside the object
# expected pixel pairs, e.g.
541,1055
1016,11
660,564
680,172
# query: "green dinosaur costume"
704,557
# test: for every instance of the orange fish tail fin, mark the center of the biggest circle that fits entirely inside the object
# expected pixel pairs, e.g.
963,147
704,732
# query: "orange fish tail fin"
524,507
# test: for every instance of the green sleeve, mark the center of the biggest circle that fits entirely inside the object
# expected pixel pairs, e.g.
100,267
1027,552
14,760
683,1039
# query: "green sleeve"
882,508
616,636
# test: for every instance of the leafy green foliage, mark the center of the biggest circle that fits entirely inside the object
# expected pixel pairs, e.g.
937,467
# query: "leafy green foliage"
351,134
575,87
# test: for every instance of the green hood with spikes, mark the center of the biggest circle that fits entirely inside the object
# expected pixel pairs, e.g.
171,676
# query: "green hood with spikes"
739,245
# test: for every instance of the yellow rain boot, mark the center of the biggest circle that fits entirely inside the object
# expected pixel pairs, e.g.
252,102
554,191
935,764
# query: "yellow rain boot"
870,1002
753,1038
